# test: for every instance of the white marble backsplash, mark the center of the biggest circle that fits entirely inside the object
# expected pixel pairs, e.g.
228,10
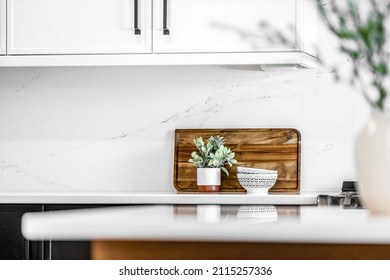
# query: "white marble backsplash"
112,128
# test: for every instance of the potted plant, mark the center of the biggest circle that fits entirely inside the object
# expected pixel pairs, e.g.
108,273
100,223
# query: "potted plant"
362,35
209,160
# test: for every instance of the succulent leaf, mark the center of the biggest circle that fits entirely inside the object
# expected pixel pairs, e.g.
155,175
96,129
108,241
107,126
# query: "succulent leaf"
214,154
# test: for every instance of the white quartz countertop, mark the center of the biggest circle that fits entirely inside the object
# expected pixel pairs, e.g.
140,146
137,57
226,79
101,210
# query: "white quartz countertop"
307,224
23,197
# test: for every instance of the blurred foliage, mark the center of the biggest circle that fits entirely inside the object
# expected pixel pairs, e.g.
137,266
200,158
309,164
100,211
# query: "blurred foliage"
363,40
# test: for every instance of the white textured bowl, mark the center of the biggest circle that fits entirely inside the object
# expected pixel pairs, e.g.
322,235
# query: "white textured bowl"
248,170
254,214
257,183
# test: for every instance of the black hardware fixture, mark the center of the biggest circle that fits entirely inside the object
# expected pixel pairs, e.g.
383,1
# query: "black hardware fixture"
349,198
165,28
137,31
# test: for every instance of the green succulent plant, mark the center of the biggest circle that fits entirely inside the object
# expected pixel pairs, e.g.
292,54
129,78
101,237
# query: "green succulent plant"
212,155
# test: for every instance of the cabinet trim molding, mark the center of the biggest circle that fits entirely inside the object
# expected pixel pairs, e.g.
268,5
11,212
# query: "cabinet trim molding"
270,58
3,22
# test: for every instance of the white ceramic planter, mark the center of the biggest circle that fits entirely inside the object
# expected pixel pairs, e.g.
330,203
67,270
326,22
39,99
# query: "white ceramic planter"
208,214
208,179
373,163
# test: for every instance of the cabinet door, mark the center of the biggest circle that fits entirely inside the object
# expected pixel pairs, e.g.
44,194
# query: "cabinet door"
225,25
2,26
78,26
13,246
69,250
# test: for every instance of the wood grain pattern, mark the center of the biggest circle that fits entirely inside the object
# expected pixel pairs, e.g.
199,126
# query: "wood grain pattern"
155,250
269,148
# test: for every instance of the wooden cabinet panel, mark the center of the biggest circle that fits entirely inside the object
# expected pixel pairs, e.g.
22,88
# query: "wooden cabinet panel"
77,26
268,148
155,250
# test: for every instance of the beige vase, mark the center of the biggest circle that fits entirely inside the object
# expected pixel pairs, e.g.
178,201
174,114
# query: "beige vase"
373,163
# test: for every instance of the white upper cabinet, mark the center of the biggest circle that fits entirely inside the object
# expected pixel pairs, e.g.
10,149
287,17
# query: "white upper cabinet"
78,26
3,23
170,32
204,26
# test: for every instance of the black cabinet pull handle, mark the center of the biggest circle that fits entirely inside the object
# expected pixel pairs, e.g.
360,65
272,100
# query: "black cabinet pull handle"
165,11
137,31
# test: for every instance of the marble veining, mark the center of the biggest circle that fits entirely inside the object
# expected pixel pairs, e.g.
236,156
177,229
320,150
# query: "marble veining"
93,128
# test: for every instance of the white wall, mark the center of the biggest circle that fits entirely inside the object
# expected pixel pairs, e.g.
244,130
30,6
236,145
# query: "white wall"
111,128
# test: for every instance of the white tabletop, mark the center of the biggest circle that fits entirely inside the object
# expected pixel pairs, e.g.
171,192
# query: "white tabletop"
31,197
305,224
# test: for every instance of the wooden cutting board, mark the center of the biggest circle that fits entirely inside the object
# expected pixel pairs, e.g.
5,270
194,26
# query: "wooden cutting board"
269,148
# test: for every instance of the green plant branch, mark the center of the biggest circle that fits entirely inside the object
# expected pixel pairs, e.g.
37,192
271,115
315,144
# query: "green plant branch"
363,42
362,85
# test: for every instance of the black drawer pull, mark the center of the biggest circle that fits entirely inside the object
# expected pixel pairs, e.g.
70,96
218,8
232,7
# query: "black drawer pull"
137,31
165,11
